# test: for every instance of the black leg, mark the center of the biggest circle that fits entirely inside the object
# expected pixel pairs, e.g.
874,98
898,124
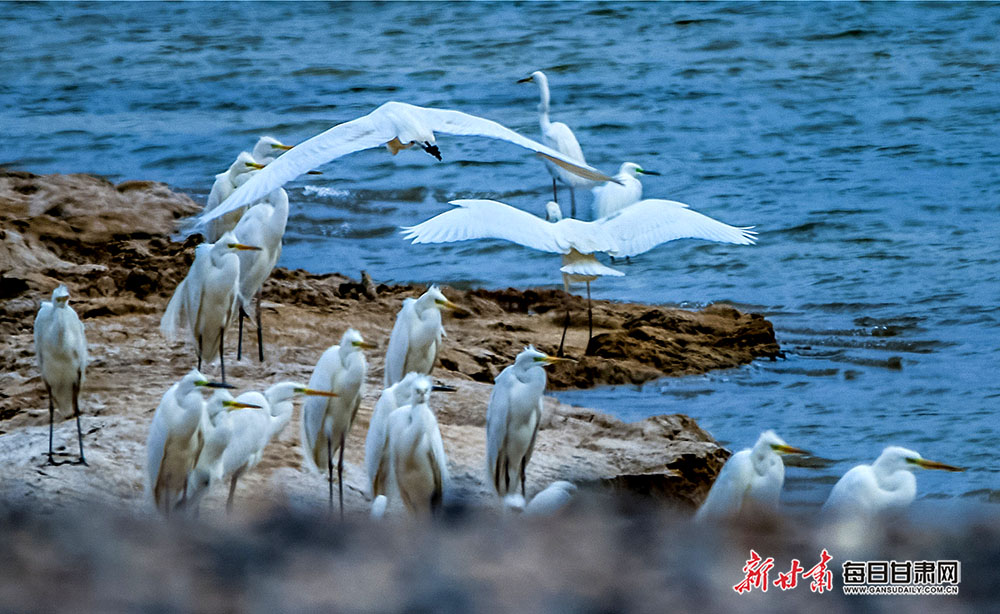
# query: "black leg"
51,420
565,327
260,331
555,194
523,494
222,356
572,203
199,352
76,412
239,342
340,477
232,491
329,468
590,315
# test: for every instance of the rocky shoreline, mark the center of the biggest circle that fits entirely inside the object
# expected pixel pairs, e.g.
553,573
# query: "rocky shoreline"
111,245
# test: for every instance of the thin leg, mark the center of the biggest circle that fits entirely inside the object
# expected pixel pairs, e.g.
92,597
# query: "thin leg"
329,468
239,343
232,491
555,194
199,352
523,494
51,420
222,356
76,412
565,326
340,477
590,315
572,202
260,331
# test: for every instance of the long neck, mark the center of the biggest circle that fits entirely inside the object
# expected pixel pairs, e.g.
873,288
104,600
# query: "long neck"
543,105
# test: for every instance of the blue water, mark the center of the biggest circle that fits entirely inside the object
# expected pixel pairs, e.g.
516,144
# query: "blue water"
860,139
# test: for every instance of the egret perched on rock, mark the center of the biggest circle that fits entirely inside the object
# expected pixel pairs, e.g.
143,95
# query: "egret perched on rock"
61,353
205,300
263,225
396,125
886,485
225,184
326,422
419,465
512,418
634,230
416,336
612,197
558,136
175,441
750,478
254,428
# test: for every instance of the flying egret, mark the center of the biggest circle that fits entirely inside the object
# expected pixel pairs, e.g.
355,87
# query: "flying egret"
416,336
326,422
205,300
254,428
750,478
634,230
61,352
174,441
558,136
887,484
225,184
262,225
613,197
419,465
512,418
398,126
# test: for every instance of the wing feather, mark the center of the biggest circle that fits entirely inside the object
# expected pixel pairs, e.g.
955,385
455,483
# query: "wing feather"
489,219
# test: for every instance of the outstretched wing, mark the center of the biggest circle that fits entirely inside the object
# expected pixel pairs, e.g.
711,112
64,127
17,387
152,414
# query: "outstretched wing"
648,223
463,124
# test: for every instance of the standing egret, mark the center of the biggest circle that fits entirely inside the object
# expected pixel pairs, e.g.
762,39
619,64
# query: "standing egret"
558,136
262,225
216,432
512,419
634,230
326,422
205,300
419,465
398,126
174,441
613,197
61,352
416,336
887,484
225,184
254,428
750,478
267,149
376,450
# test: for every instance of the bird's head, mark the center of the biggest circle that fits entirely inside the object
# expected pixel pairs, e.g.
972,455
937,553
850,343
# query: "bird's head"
894,458
422,390
537,76
530,357
196,380
769,440
229,242
352,341
552,211
284,391
60,296
631,168
245,163
269,147
439,300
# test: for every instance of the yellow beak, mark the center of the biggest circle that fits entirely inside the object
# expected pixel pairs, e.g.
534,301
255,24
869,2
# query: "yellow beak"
281,146
365,345
255,165
243,247
317,393
231,405
782,449
556,359
929,464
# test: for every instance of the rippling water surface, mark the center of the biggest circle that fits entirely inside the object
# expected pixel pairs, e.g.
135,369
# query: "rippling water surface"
860,139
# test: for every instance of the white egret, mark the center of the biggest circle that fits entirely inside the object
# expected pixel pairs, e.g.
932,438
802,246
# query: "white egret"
216,432
267,149
613,197
254,428
398,126
326,422
553,498
887,484
225,184
750,478
558,136
512,419
419,465
205,300
174,441
634,230
262,225
61,352
376,450
416,336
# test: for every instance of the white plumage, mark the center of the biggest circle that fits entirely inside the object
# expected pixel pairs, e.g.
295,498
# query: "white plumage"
267,149
205,300
512,419
750,478
396,125
416,336
376,448
61,353
886,485
326,422
558,136
611,197
216,431
225,184
417,458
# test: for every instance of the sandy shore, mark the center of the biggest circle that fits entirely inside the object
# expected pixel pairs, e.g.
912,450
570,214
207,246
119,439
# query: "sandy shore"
108,244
